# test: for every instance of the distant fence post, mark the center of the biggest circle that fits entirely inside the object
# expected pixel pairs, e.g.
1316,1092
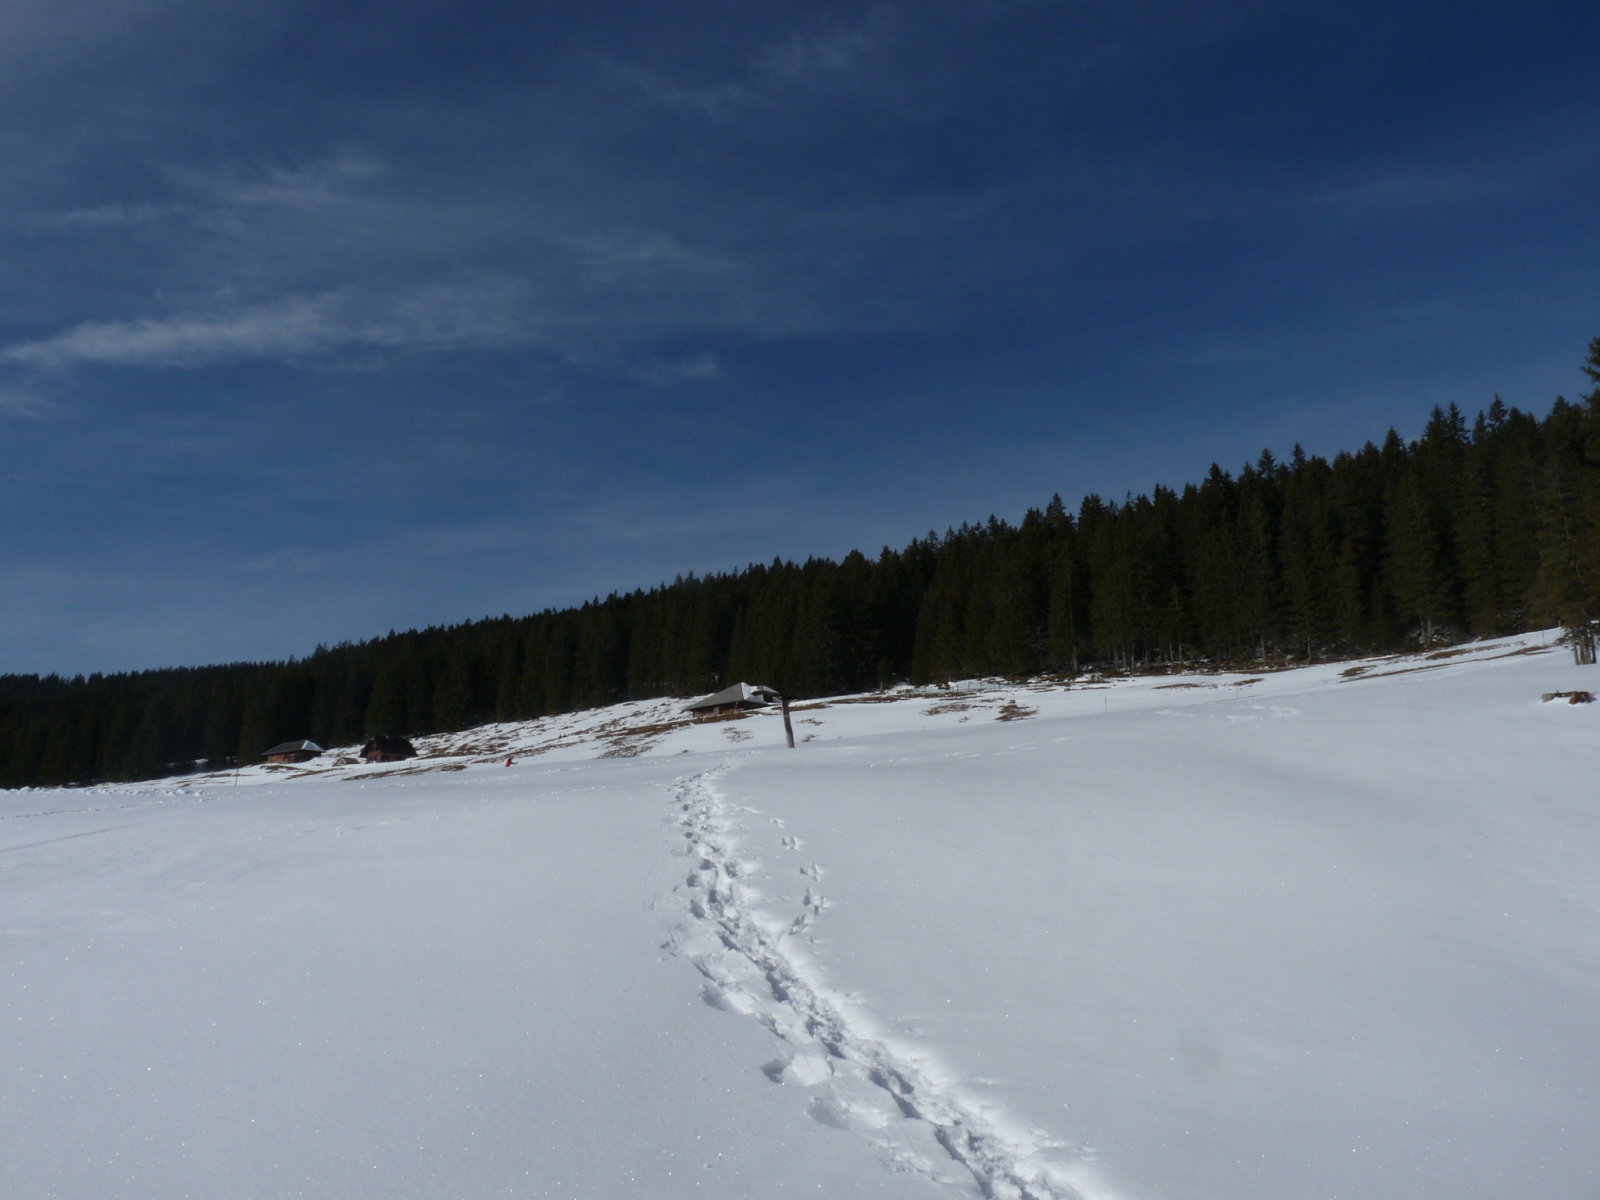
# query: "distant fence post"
788,728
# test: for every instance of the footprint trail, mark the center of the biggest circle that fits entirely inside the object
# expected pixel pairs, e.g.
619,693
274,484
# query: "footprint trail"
756,963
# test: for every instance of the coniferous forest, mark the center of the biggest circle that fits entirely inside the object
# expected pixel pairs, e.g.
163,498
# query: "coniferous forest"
1477,528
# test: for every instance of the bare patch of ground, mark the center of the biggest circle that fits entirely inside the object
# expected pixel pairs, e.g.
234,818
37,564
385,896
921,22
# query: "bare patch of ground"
629,741
869,698
418,770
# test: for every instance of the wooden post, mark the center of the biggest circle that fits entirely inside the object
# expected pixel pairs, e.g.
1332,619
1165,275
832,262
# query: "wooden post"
788,728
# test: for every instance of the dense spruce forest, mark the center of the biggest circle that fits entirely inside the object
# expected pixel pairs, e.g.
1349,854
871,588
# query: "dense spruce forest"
1474,529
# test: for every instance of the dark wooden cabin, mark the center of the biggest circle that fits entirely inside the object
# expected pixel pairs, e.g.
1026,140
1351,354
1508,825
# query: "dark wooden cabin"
388,749
293,752
731,700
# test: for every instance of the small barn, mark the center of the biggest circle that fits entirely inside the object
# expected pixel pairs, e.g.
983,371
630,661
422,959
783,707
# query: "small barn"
741,697
388,749
293,752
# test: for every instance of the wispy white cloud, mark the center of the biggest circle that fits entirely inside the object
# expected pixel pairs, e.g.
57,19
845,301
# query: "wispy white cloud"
291,560
809,55
439,317
298,186
697,368
211,196
713,102
610,255
25,405
1417,187
42,34
118,216
292,328
1487,168
800,58
604,276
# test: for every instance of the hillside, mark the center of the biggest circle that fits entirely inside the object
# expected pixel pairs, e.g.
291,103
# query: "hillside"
1332,931
1471,531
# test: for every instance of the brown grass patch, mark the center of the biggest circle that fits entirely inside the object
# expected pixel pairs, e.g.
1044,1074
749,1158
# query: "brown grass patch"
1525,650
869,698
407,771
1405,671
630,741
950,706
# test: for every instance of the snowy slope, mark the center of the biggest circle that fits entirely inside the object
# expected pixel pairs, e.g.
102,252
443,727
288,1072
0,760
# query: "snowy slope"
1327,932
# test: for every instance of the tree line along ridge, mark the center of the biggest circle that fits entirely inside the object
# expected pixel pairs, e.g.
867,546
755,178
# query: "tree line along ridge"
1471,530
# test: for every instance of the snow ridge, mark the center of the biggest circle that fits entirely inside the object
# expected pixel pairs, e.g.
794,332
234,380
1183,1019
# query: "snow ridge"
755,963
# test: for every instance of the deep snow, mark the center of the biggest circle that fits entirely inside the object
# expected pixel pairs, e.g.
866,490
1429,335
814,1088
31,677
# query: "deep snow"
1326,932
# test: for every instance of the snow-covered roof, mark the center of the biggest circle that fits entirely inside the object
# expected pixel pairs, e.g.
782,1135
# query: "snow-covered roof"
739,693
295,748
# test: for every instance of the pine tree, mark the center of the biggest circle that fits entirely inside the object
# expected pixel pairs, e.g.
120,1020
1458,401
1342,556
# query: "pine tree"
1418,579
1567,588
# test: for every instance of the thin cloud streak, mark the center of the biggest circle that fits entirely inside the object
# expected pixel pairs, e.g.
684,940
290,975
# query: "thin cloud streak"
802,58
438,318
293,560
216,195
811,55
697,368
23,405
117,216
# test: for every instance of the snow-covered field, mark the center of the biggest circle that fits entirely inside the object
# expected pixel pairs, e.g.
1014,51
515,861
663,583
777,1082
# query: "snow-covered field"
1332,932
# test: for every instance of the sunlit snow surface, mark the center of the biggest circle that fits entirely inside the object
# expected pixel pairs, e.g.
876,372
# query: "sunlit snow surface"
1331,933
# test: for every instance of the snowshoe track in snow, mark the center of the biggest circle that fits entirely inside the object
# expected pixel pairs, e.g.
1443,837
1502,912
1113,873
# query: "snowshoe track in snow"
756,964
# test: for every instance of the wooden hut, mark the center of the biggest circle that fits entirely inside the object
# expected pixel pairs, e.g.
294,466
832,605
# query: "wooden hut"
293,752
741,697
388,749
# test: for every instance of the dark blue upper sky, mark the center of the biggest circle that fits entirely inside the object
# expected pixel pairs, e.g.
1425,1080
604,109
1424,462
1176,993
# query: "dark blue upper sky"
318,320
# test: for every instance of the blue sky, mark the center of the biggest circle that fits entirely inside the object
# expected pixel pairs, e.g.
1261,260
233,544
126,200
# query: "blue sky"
318,320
